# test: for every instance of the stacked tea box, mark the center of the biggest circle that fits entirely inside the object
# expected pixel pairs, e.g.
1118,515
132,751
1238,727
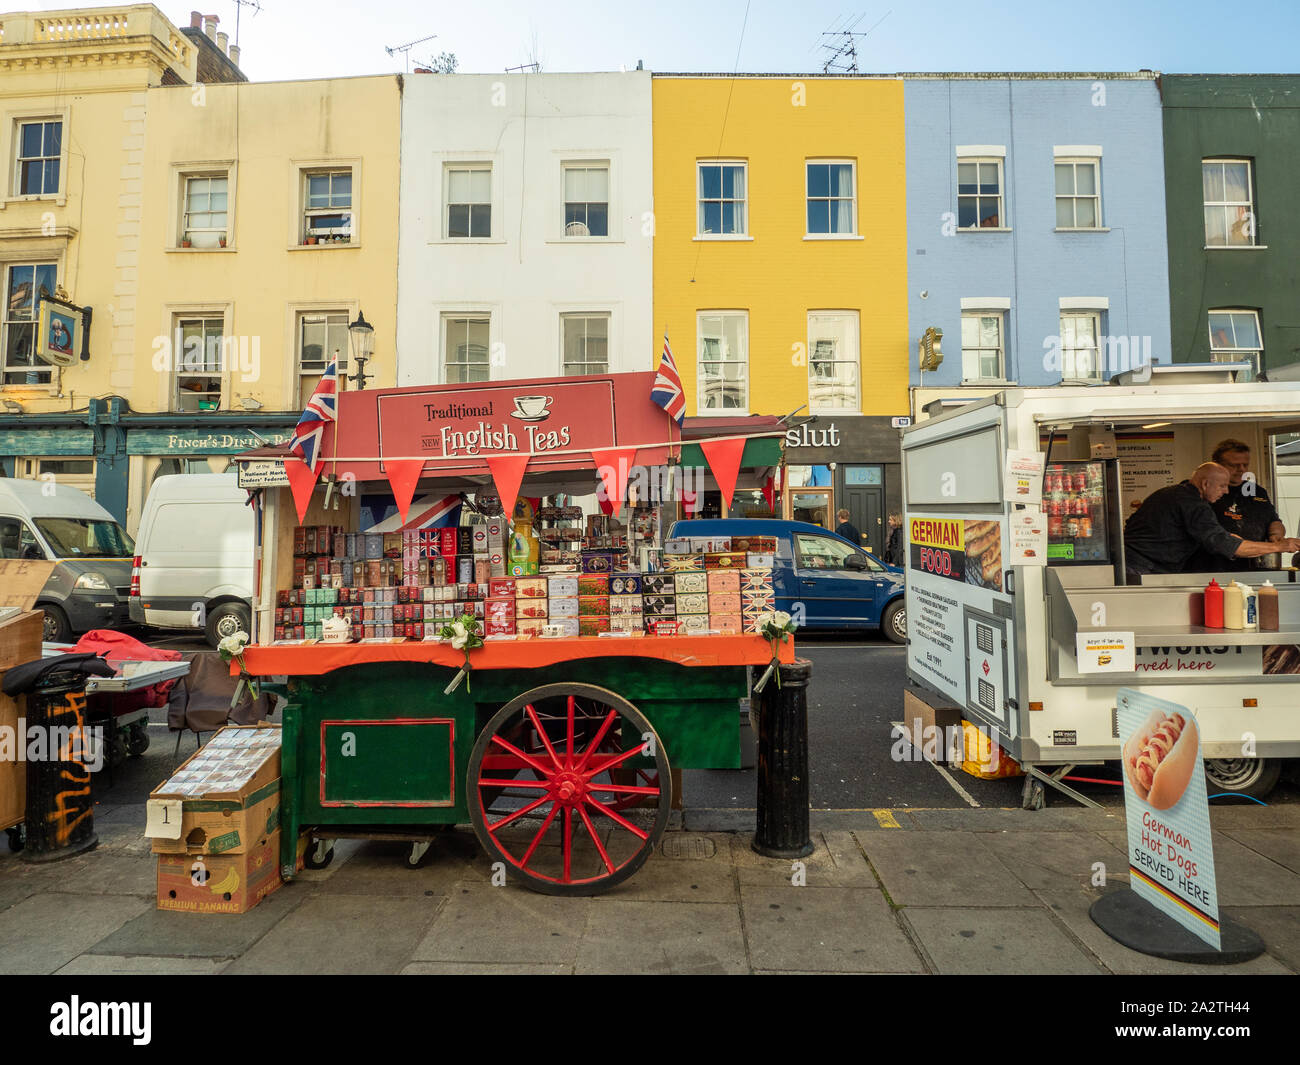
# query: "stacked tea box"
718,584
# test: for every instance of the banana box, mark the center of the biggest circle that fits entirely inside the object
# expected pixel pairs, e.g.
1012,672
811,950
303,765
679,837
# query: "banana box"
218,883
223,799
983,757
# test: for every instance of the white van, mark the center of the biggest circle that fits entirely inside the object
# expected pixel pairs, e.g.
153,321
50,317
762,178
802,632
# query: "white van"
52,521
194,556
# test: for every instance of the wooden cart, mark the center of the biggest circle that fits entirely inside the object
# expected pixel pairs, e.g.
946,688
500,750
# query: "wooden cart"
559,756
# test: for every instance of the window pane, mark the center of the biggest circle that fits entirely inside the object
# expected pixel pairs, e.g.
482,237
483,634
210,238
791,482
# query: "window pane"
729,182
29,183
31,140
20,292
598,219
1065,212
1064,179
44,275
1086,178
458,186
967,215
1236,182
818,180
967,177
1246,330
990,332
1212,182
480,220
819,216
1086,211
341,189
712,217
598,184
989,183
51,175
481,186
575,184
710,182
739,226
1216,231
318,190
970,331
457,220
1242,229
728,217
841,179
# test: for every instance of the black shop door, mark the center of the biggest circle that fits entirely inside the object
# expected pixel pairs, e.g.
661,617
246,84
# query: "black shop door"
866,507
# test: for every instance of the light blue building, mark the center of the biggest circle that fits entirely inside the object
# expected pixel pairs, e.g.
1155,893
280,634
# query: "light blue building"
1036,228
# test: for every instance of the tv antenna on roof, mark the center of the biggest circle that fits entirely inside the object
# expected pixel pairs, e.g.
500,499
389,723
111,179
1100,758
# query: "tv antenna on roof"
405,49
239,7
524,68
843,46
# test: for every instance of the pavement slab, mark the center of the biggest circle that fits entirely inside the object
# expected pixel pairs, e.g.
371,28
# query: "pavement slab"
107,873
510,925
684,880
829,930
381,867
837,861
350,935
1070,906
166,933
1020,941
662,938
455,968
1281,845
947,868
45,932
984,818
1277,926
1247,878
1052,859
140,965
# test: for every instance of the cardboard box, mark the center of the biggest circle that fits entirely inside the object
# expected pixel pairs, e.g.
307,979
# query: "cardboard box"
564,607
695,603
983,758
729,624
723,580
530,608
530,588
725,603
694,624
686,583
228,794
233,883
935,732
20,641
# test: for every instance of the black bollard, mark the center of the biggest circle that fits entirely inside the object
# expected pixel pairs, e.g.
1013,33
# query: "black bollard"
60,811
783,764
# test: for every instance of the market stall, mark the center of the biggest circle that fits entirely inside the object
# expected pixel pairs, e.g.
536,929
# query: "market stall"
537,670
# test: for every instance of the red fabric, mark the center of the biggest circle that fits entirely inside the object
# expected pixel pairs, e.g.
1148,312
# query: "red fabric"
507,475
613,465
117,647
404,475
724,460
302,481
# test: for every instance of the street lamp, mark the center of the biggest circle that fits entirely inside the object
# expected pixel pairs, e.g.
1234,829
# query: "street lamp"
363,347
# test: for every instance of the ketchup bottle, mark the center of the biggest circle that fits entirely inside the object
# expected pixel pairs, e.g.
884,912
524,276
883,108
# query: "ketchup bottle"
1213,605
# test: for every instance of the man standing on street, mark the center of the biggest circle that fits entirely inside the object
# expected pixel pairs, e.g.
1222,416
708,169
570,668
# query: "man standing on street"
847,531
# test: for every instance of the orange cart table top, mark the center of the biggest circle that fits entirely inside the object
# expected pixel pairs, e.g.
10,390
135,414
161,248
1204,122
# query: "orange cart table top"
314,659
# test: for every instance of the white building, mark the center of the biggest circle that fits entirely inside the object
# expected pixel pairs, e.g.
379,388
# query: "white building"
526,241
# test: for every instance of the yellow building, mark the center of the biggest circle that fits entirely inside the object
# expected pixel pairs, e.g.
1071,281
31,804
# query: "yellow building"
780,272
223,235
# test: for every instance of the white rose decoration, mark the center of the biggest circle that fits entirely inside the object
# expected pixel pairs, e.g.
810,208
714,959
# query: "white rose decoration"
782,618
764,619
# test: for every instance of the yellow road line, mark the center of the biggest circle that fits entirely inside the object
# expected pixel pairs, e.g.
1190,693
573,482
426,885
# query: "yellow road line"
886,818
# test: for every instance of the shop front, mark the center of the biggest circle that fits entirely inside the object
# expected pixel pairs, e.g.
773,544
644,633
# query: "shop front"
848,462
114,455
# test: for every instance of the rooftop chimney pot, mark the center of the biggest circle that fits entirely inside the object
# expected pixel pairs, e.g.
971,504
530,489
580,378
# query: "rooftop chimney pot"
223,39
234,54
196,20
210,26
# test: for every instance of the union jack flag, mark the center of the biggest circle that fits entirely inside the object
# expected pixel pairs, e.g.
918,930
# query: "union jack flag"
667,389
309,431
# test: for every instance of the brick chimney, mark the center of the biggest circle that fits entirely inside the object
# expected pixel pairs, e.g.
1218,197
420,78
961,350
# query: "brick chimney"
223,40
196,20
210,26
234,54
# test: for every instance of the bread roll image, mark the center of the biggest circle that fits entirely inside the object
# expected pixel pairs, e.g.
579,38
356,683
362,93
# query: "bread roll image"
985,541
1160,757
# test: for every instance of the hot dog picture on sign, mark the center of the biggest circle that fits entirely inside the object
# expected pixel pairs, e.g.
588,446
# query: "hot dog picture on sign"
959,549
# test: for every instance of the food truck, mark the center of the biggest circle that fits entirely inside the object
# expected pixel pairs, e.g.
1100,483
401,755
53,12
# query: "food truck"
1018,607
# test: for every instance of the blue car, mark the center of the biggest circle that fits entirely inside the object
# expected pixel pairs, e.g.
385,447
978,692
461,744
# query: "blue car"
832,583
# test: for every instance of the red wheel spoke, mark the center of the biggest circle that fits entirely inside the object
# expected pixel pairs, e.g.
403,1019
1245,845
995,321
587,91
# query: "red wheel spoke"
484,782
623,789
523,862
595,743
516,815
545,770
546,740
568,757
582,810
568,842
619,819
501,761
618,759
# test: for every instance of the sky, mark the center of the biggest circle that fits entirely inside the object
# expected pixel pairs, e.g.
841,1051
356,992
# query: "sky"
292,39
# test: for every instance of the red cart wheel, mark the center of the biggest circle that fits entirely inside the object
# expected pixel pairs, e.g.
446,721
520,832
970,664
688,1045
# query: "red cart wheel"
543,795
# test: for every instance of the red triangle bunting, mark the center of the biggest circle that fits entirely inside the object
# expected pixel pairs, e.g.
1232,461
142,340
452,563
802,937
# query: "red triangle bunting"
613,464
724,460
507,475
769,493
403,476
302,480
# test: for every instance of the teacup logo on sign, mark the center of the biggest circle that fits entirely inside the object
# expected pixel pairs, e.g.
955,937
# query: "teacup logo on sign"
532,408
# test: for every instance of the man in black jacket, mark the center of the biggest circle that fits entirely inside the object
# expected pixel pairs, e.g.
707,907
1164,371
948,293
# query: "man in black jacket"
846,530
1173,523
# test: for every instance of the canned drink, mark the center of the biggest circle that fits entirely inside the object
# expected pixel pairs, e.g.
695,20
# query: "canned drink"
1080,481
1055,528
1085,528
1072,528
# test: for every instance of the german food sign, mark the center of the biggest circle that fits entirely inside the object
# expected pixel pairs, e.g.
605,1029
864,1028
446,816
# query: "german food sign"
1170,853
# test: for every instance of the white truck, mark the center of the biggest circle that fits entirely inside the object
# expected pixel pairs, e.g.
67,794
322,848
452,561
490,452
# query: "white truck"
1019,613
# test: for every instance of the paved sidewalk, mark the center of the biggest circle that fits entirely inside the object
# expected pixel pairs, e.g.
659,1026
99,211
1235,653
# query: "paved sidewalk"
947,891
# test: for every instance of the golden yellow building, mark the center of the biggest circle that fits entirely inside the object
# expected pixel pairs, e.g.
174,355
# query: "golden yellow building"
780,271
223,235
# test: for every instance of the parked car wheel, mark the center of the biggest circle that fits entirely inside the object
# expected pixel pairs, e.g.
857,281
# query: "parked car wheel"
1252,777
894,622
57,627
226,620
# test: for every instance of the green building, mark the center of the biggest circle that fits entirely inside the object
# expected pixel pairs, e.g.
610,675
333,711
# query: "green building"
1232,156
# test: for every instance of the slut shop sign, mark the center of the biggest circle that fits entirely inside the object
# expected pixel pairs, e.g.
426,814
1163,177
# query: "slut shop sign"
1170,853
